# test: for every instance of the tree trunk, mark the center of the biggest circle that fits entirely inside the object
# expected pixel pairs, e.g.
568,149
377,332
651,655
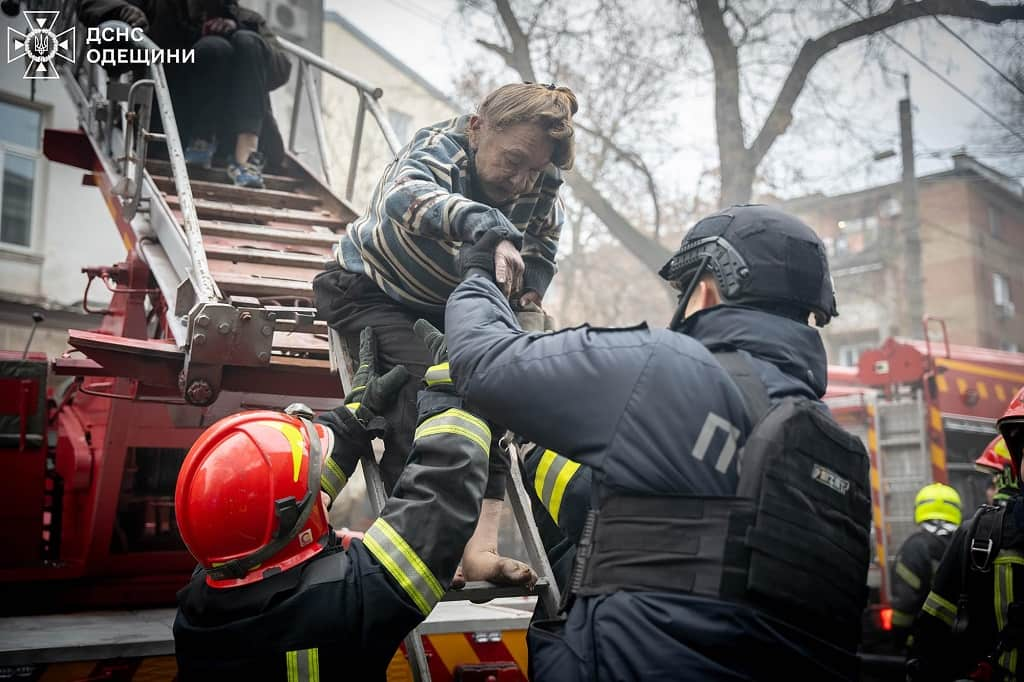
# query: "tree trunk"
737,179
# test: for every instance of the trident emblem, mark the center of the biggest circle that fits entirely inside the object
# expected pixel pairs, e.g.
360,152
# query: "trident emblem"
41,47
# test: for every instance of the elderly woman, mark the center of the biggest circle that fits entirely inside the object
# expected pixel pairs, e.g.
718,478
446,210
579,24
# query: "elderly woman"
493,171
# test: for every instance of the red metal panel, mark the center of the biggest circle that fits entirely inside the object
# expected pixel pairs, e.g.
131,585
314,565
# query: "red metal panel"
69,146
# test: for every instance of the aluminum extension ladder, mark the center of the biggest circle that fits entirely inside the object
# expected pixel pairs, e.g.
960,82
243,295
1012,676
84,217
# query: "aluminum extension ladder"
546,588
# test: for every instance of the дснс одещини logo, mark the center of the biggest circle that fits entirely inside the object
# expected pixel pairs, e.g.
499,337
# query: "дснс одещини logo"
41,46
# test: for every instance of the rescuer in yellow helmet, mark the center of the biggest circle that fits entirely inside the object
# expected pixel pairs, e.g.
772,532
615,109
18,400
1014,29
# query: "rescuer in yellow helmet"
937,512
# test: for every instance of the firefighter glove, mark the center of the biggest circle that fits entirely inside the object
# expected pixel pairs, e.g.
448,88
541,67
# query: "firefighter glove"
371,392
496,256
437,376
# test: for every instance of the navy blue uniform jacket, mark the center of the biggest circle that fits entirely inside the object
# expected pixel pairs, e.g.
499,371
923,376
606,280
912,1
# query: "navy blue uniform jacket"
632,404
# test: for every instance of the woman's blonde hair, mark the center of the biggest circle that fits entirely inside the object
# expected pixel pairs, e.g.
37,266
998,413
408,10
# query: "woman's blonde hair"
548,106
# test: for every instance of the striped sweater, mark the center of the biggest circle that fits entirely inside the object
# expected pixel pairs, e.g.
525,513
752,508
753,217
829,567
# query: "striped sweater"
423,209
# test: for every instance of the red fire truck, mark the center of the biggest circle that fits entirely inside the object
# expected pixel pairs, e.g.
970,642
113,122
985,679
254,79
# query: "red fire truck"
925,410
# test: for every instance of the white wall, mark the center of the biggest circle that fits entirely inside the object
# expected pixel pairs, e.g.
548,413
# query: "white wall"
72,227
340,104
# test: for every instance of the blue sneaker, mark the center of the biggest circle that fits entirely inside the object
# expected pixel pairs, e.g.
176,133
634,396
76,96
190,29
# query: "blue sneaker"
248,174
200,153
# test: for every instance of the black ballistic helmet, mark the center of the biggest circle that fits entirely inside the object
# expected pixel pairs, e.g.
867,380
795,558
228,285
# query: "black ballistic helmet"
759,257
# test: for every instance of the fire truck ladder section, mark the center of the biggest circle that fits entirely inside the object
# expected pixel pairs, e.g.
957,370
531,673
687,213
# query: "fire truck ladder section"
232,266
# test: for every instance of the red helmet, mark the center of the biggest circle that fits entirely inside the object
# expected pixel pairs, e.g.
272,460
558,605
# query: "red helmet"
995,457
248,495
1011,425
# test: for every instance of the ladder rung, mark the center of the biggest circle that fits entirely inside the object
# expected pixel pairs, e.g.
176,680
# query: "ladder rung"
231,211
219,175
241,254
275,234
264,287
220,192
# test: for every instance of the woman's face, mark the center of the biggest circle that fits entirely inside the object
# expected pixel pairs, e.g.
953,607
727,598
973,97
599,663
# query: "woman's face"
508,161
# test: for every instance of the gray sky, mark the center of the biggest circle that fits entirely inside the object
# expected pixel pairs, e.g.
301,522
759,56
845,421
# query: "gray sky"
425,34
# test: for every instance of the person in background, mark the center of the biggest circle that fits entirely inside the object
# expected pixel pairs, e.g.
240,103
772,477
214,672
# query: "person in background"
995,461
937,513
972,621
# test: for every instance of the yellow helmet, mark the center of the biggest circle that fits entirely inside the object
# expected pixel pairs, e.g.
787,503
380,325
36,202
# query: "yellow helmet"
937,502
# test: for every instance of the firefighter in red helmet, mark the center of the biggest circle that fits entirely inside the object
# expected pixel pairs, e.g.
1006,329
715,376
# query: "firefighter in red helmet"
995,461
276,595
972,622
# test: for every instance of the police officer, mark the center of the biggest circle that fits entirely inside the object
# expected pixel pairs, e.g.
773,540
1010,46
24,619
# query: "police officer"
937,512
663,590
972,621
276,595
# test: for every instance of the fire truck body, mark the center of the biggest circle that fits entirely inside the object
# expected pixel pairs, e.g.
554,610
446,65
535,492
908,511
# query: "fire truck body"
925,412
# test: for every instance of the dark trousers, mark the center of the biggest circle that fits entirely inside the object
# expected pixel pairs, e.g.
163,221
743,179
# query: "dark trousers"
349,302
224,93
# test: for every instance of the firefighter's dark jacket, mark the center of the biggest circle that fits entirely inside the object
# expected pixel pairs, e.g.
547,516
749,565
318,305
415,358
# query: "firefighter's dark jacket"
343,614
937,652
631,404
912,576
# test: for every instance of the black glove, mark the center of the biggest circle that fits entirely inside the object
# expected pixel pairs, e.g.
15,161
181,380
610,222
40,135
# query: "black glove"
372,394
480,254
437,378
440,392
433,339
133,16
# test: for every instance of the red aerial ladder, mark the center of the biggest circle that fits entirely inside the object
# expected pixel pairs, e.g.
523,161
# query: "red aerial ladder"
211,313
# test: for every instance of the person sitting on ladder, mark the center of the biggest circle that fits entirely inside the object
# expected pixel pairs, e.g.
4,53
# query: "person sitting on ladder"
225,95
494,174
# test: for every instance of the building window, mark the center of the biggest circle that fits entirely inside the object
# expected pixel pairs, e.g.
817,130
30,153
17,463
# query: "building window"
856,235
995,222
849,354
20,133
401,123
1001,295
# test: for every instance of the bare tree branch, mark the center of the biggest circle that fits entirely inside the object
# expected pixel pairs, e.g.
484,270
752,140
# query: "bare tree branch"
634,160
781,115
502,52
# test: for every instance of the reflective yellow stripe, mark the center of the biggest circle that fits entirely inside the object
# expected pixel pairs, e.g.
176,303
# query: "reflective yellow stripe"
1010,556
404,565
438,374
303,665
547,458
459,423
1003,569
333,479
314,665
940,608
569,469
552,478
909,577
902,619
352,407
